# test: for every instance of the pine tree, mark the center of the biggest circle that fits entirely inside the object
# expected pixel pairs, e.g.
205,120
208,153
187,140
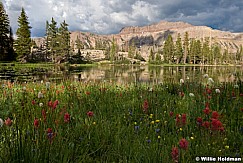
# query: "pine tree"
4,33
113,50
52,38
178,48
151,56
186,47
11,53
23,42
206,51
168,49
64,39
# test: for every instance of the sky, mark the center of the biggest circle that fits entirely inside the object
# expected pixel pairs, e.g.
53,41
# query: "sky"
109,16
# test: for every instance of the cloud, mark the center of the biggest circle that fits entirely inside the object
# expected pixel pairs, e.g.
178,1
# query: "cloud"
109,16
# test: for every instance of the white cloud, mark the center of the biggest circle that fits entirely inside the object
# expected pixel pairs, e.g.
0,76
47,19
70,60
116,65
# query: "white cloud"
109,16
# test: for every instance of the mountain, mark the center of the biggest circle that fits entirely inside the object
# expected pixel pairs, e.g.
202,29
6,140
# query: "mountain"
154,35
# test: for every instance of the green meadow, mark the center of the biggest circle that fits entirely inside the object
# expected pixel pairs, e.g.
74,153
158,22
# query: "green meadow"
109,122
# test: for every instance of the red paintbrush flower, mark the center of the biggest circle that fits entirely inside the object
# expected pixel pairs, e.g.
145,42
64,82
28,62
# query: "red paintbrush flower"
55,103
183,144
206,124
8,122
90,113
206,110
183,119
145,106
36,123
175,154
66,118
215,115
199,121
171,113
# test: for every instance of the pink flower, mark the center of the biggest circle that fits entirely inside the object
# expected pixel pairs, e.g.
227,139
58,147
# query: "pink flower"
90,113
183,144
8,122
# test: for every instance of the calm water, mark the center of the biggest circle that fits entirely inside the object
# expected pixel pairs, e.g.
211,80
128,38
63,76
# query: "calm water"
121,73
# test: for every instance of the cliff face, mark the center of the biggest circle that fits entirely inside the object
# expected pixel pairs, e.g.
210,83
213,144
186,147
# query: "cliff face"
155,35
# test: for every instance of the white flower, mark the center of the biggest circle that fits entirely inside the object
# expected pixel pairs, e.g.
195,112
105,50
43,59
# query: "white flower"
217,90
40,95
181,81
48,85
24,88
210,81
191,95
41,104
41,81
236,86
1,122
150,89
205,75
187,78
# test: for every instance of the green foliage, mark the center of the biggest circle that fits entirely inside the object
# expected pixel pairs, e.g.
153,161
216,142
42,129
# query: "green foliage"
186,47
6,37
168,50
178,49
23,42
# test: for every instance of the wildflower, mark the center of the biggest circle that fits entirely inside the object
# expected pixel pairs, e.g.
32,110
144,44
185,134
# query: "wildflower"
8,122
41,104
183,144
181,81
136,128
43,112
217,125
50,104
50,134
48,85
226,147
181,129
183,118
171,113
157,121
192,138
40,95
206,124
157,130
150,89
181,94
66,118
152,122
148,141
159,137
215,114
217,90
205,75
90,113
236,86
187,78
94,123
36,123
241,94
24,88
33,102
175,154
1,122
191,95
55,103
241,109
87,93
206,110
145,106
210,81
199,121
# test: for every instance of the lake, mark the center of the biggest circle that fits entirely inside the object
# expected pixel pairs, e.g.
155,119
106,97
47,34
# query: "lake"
120,73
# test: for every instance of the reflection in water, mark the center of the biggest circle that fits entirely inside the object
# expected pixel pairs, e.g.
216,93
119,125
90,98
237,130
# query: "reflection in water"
122,73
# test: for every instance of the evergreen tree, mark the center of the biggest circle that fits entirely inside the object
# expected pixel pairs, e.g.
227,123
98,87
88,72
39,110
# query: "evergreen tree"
151,56
186,47
64,39
206,51
4,32
52,38
178,48
168,49
23,42
113,50
216,54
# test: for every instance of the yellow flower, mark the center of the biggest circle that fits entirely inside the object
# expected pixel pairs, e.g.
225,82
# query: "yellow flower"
226,147
159,137
151,116
220,150
94,123
192,137
164,112
152,122
165,122
157,121
181,129
135,123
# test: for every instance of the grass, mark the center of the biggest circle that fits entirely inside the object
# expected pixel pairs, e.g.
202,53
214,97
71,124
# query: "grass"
111,122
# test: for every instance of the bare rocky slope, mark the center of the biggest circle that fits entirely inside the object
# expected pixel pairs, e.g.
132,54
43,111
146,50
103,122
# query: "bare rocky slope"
154,35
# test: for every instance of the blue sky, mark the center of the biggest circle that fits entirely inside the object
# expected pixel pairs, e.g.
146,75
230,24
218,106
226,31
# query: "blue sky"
109,16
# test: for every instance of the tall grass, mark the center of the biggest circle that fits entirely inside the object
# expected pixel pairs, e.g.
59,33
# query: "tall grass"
118,123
